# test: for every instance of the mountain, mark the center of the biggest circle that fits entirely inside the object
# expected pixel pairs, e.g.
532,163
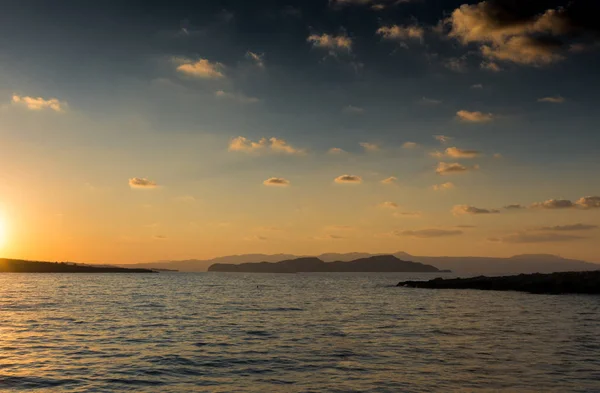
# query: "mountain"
528,263
379,263
20,266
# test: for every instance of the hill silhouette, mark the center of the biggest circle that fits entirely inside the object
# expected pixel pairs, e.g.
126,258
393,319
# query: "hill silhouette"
21,266
380,263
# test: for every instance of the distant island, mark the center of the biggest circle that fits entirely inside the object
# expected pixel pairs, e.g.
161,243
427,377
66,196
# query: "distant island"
527,263
20,266
380,263
555,283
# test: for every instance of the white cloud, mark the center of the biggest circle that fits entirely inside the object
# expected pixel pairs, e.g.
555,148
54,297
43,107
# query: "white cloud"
389,180
348,179
552,100
139,182
369,146
202,68
466,209
236,97
273,145
333,43
444,168
477,86
39,103
474,117
444,186
430,101
276,182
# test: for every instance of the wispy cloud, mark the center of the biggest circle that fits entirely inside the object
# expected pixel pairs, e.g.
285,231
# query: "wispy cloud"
238,97
443,187
333,43
572,227
336,150
388,205
477,86
402,33
467,209
257,59
355,110
348,179
369,147
429,101
140,182
455,152
552,100
474,117
410,145
514,207
430,233
202,68
39,103
554,204
276,182
443,138
445,168
274,145
523,237
589,202
390,180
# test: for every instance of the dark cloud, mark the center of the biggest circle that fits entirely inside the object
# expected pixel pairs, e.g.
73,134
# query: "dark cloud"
573,227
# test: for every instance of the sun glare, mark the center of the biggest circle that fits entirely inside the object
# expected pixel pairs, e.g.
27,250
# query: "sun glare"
2,232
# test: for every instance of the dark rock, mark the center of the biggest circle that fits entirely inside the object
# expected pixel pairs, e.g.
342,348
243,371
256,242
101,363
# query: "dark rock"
554,283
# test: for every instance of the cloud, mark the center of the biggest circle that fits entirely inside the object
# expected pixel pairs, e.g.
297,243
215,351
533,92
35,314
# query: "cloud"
369,146
474,117
573,227
388,205
202,68
552,100
456,64
236,97
514,207
185,199
455,152
589,202
348,179
497,155
430,233
336,150
339,228
490,66
276,182
401,33
273,145
535,238
39,103
256,238
407,214
477,86
389,180
527,34
159,237
443,138
443,186
429,101
466,209
258,59
554,204
409,145
328,237
139,182
355,110
333,43
444,168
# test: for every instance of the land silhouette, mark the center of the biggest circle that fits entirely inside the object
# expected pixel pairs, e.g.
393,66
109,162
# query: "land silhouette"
380,263
468,265
555,283
21,266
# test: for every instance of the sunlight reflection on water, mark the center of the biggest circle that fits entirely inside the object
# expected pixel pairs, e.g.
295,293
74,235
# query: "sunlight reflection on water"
222,332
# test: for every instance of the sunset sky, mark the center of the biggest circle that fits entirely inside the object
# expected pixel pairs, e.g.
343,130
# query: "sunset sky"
146,130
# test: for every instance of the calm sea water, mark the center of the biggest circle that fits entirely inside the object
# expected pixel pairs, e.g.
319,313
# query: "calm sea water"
218,332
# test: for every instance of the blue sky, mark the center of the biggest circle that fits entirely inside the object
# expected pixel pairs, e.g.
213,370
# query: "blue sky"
316,75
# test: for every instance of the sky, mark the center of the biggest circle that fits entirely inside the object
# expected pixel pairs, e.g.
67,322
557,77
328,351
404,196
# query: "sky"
154,130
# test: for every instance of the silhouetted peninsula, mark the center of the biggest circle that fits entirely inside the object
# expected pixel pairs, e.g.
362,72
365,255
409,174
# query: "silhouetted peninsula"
554,283
20,266
379,263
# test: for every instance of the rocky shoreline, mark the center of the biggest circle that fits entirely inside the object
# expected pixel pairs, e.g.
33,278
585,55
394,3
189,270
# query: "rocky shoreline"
554,283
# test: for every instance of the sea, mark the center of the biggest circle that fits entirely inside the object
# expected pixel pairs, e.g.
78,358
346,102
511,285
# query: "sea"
331,332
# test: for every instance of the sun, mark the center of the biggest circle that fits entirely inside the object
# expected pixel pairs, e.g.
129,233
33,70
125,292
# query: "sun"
2,232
